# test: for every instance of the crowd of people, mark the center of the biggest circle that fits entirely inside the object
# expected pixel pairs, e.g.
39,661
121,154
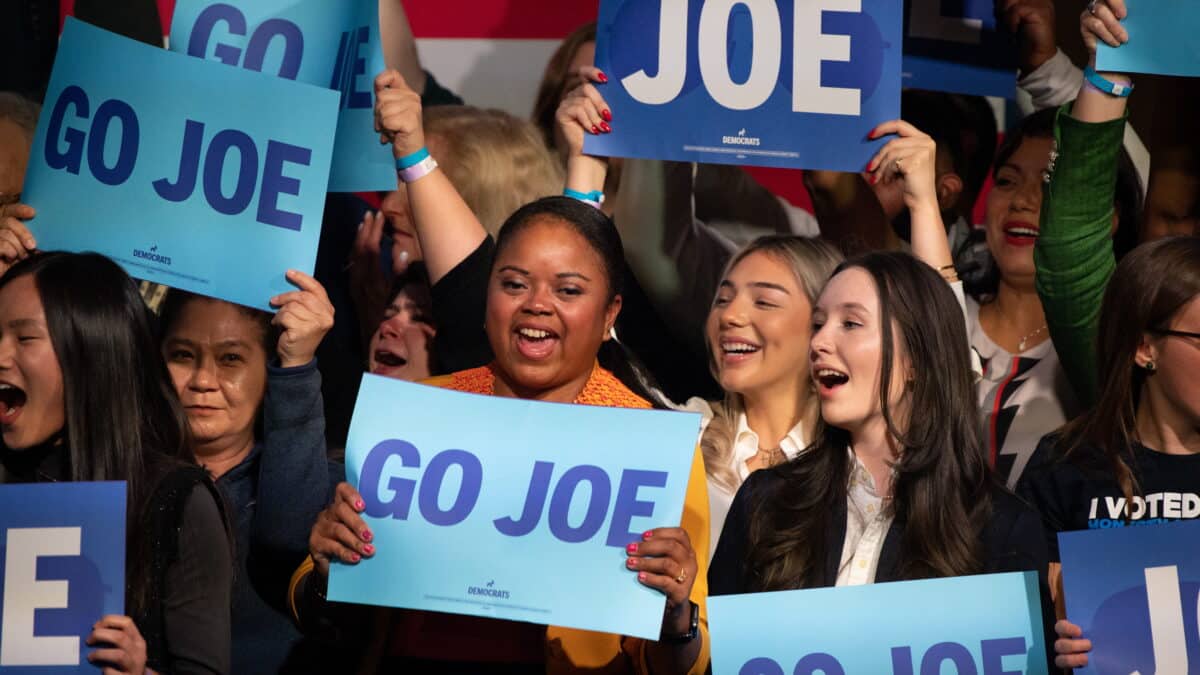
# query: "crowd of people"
888,390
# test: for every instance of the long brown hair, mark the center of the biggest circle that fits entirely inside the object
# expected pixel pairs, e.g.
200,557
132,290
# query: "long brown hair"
1149,287
941,487
812,261
555,80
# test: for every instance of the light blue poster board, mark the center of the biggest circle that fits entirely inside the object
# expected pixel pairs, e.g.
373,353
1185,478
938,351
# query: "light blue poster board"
169,166
958,47
783,83
62,566
1162,40
446,477
987,624
329,43
1135,591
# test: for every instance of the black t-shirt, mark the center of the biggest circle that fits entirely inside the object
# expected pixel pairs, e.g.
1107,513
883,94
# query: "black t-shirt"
1081,492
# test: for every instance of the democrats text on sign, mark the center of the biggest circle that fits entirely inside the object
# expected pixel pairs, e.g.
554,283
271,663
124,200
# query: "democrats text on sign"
62,562
1135,592
958,47
187,173
511,509
786,83
1162,40
984,625
328,44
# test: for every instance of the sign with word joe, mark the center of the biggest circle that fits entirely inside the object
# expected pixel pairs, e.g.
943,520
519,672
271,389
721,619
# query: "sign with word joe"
979,625
63,567
958,47
187,173
1162,40
333,44
511,509
784,83
1135,592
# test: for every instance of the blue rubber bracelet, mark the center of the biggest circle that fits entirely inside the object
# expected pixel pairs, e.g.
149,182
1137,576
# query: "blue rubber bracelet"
593,196
1107,86
412,160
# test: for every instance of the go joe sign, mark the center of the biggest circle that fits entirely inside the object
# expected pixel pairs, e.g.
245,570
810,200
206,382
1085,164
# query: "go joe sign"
976,625
786,83
186,173
512,509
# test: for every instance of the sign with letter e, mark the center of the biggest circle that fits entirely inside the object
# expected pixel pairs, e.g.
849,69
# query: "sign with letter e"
988,624
62,562
786,83
1135,592
512,509
328,43
187,173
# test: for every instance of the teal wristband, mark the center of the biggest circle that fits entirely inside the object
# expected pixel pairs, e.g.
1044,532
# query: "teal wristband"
1107,86
593,196
409,161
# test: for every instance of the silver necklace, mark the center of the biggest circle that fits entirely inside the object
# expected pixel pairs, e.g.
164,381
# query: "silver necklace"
1021,343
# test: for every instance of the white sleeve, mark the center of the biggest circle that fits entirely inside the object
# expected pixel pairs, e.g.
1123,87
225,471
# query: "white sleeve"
1053,83
976,363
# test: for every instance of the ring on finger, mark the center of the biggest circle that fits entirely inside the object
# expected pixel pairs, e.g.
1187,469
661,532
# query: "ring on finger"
896,163
1091,6
682,576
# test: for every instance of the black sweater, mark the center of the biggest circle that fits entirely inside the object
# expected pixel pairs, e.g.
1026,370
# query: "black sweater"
1013,541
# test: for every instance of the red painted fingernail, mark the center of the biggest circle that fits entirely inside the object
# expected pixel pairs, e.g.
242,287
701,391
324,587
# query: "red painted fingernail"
366,535
369,549
647,534
354,557
359,505
631,562
595,129
602,77
641,576
606,114
632,548
604,127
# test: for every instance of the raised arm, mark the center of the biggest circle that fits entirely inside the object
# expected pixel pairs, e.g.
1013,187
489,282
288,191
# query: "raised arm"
399,45
676,259
1073,254
446,226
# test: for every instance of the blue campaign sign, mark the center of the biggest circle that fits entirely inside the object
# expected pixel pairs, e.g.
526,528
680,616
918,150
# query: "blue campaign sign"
785,83
978,625
62,561
1135,592
958,47
187,173
511,509
1162,40
329,44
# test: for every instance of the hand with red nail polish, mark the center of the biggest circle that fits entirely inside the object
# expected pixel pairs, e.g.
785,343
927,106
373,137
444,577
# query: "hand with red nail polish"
582,109
340,532
666,561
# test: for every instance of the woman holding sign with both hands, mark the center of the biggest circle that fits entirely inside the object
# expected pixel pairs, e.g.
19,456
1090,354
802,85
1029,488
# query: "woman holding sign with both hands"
552,299
1140,441
895,484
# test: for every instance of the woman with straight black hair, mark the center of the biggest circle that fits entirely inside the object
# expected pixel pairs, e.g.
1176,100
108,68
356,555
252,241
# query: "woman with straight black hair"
895,485
87,398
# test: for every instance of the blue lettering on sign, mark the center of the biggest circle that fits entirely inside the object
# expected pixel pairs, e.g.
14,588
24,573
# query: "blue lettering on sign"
223,143
398,505
256,48
71,158
956,654
350,66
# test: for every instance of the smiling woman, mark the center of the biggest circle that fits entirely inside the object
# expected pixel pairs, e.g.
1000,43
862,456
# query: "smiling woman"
85,398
